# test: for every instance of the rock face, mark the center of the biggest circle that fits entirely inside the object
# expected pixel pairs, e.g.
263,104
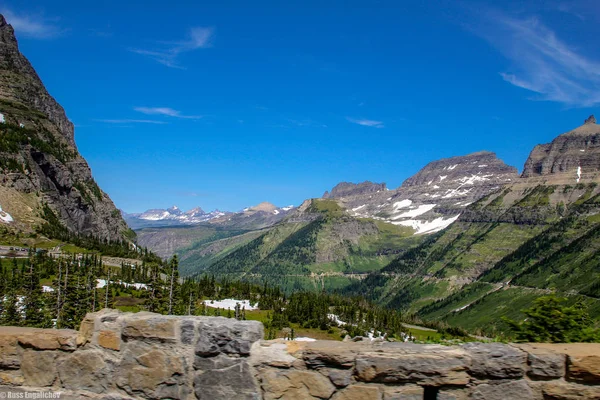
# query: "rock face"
348,189
39,163
574,155
434,197
154,356
20,83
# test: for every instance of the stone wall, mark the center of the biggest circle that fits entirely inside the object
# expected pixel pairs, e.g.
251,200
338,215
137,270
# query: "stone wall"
122,356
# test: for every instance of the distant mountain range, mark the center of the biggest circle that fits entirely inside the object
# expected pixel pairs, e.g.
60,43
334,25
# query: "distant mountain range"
174,216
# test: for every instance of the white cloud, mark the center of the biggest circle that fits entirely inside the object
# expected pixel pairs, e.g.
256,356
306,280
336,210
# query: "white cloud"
165,111
366,122
543,63
130,121
168,53
33,26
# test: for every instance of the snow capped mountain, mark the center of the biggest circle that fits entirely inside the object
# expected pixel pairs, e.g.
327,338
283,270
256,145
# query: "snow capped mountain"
432,199
262,214
171,216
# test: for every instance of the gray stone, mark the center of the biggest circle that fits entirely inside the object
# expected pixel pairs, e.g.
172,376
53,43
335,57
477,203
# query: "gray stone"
39,368
228,336
85,370
237,346
543,362
503,391
432,369
205,348
495,360
219,362
187,331
155,371
235,382
339,377
328,353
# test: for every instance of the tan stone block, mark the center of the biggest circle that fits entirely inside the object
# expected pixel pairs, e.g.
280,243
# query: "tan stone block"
294,394
150,326
317,384
14,378
146,369
358,392
274,383
561,390
50,339
86,330
39,368
109,340
453,394
9,350
584,367
404,392
85,370
285,383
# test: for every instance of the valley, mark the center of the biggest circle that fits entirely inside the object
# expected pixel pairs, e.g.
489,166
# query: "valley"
465,241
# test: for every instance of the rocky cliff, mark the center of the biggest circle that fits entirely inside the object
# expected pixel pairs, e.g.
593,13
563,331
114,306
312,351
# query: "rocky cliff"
348,189
39,162
574,155
434,197
150,356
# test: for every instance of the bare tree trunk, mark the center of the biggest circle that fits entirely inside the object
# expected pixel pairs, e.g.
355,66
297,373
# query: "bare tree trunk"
59,292
171,290
106,288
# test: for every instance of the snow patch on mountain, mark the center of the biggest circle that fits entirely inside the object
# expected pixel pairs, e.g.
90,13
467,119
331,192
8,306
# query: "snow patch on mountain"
428,226
402,204
420,210
5,217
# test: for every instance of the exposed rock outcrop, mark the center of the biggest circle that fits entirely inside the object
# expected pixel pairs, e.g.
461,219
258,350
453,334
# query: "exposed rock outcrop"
348,189
574,155
20,83
39,163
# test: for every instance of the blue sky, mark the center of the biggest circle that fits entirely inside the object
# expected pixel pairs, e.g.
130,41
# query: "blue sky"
229,104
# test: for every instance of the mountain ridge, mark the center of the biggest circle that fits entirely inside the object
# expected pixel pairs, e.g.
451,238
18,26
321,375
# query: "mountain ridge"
42,175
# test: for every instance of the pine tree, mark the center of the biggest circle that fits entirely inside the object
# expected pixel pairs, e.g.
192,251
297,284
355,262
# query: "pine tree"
174,287
33,302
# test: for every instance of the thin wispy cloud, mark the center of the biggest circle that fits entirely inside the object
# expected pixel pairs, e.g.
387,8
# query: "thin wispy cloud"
130,121
30,25
167,53
541,62
166,111
366,122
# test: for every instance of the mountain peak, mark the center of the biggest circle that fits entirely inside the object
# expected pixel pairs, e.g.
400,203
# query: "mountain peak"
20,83
574,154
484,163
346,189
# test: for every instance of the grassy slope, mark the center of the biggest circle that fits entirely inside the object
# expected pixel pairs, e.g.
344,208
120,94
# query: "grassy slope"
513,247
320,254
